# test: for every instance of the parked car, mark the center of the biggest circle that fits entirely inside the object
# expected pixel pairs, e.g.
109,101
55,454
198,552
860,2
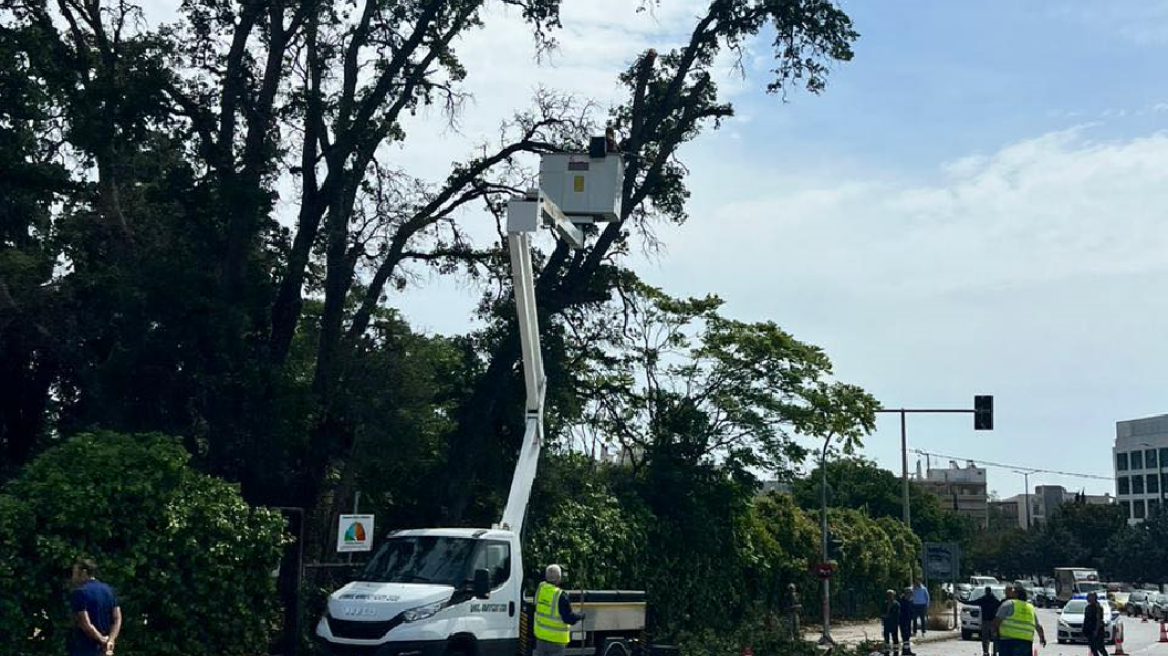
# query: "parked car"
1158,606
971,619
982,581
1045,598
963,592
1137,603
1070,624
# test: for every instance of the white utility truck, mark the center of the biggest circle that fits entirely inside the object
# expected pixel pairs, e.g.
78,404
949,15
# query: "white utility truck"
1071,581
459,591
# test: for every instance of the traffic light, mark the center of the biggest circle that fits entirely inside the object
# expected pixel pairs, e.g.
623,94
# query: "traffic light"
983,412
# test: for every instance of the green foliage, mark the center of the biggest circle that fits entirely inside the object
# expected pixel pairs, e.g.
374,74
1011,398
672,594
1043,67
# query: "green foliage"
190,560
580,523
674,378
1077,535
1140,553
860,484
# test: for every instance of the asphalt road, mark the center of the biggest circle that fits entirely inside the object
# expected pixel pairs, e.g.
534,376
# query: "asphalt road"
1139,638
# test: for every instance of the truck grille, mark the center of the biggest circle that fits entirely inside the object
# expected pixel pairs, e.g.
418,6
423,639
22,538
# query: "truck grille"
361,630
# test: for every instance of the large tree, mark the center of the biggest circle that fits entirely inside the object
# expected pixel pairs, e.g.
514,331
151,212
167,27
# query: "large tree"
671,98
185,190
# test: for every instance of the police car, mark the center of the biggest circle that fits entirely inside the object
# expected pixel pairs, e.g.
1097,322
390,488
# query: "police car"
1070,625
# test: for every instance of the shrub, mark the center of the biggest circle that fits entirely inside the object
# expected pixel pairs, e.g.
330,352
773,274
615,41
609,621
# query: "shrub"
191,561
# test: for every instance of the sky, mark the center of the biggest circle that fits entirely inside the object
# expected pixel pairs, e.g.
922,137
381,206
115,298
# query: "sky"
974,206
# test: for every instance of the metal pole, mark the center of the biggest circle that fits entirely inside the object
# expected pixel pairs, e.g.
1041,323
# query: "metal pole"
904,469
825,639
1026,479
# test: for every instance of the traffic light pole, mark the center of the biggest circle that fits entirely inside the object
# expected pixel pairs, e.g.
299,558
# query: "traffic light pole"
983,419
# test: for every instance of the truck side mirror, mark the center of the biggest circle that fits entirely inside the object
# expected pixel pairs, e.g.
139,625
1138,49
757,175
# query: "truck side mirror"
482,584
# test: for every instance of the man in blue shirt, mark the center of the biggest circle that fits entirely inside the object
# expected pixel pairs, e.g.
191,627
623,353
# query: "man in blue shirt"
97,617
920,606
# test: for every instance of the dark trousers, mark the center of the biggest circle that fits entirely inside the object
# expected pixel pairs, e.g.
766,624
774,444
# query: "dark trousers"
987,642
921,616
891,635
906,630
1007,647
1096,645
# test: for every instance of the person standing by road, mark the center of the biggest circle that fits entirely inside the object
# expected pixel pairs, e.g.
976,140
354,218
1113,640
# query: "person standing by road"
1015,625
891,622
988,604
791,608
906,620
553,615
1093,625
920,607
96,614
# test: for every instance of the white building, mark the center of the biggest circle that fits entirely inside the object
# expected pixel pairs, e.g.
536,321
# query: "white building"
962,489
1139,454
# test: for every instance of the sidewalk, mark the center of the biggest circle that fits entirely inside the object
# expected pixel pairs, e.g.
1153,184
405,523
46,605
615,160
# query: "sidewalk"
851,634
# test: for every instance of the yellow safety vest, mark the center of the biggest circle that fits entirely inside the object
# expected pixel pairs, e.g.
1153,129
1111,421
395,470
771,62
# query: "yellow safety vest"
1019,625
549,626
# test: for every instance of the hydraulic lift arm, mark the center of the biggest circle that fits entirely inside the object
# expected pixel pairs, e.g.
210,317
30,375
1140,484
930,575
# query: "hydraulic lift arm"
588,187
523,217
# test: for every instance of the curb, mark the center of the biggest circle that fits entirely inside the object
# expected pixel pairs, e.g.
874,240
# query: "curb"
930,637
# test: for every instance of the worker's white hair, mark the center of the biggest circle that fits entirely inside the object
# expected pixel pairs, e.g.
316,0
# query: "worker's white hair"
553,574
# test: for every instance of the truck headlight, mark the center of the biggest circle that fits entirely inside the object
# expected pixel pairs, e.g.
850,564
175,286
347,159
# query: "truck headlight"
423,612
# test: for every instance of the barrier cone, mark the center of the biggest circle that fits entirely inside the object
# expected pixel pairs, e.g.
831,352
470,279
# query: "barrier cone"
1119,641
1163,632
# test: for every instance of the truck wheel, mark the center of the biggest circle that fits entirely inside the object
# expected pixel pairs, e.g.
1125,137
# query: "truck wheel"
616,649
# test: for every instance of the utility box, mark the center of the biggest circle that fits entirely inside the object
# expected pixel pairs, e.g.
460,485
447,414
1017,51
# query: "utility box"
582,185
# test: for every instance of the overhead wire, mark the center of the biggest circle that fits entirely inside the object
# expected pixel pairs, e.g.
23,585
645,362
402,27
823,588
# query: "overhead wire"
1032,470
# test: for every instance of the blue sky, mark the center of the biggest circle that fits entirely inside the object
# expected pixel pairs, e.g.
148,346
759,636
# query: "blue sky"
975,205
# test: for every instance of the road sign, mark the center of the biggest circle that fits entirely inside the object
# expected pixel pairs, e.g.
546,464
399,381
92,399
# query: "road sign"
824,570
942,561
355,533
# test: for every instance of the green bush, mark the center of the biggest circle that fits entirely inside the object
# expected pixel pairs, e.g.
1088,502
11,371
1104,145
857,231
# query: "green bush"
191,561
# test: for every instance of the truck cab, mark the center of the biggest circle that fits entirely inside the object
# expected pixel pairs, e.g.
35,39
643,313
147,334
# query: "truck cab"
432,592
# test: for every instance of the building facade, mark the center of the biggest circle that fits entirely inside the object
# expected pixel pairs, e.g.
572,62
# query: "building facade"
1139,457
962,489
1044,502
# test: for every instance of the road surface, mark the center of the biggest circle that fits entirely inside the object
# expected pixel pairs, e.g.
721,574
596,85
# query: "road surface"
1139,638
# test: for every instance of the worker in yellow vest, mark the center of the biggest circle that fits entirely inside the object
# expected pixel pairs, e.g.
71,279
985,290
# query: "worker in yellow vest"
1016,624
553,615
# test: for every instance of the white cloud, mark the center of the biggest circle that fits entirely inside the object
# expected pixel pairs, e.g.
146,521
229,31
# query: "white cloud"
1043,209
1142,22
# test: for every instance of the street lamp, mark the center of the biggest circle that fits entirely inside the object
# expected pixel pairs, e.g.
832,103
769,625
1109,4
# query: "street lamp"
1026,477
825,639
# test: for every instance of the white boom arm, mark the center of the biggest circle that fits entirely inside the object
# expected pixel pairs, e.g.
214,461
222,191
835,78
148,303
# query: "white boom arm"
523,218
588,188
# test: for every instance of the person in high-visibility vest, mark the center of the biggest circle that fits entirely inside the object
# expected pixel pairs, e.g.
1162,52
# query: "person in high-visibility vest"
553,615
1016,624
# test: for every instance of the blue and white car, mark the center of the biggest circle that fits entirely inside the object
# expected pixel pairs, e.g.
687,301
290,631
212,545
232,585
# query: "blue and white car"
1070,624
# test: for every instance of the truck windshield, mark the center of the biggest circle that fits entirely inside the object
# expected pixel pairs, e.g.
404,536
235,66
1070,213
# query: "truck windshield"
422,559
1085,586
